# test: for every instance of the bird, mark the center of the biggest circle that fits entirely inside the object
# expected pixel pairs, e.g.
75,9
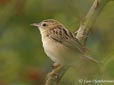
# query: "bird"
61,45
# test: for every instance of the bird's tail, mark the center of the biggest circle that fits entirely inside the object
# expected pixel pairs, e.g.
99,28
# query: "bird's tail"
92,59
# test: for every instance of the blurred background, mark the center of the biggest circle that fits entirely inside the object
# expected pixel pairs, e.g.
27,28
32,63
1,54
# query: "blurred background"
22,59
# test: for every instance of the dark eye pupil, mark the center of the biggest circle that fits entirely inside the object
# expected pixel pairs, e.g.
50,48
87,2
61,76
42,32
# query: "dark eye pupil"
44,24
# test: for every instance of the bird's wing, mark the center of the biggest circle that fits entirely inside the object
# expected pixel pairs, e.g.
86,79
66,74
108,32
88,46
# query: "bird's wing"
66,38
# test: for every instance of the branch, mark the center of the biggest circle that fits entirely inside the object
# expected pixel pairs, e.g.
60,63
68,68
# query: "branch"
90,19
56,75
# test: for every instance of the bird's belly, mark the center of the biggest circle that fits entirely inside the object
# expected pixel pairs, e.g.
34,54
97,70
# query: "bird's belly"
56,51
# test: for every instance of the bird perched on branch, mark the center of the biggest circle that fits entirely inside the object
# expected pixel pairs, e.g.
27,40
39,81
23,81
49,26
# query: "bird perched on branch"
60,45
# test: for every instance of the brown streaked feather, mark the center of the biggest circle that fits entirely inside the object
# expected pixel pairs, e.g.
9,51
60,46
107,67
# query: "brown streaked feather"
66,38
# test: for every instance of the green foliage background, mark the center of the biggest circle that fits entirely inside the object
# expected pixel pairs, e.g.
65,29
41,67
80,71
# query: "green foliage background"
22,59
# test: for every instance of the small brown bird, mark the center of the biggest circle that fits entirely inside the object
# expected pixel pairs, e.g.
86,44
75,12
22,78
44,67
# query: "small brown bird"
60,45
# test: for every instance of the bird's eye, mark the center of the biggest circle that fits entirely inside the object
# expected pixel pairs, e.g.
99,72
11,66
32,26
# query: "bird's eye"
44,24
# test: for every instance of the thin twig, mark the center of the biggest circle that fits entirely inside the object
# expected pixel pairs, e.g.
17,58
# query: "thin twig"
89,20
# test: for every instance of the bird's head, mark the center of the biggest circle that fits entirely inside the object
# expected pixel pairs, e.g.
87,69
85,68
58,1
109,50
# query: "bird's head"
46,24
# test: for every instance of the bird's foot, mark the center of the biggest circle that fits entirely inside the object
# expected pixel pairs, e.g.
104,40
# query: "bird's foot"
55,65
54,74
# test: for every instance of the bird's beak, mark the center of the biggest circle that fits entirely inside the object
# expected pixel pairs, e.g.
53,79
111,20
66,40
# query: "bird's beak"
35,24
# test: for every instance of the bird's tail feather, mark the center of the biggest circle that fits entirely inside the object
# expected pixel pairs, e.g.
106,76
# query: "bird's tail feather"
92,59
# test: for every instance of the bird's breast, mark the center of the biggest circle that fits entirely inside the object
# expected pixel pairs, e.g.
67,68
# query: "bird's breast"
56,51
